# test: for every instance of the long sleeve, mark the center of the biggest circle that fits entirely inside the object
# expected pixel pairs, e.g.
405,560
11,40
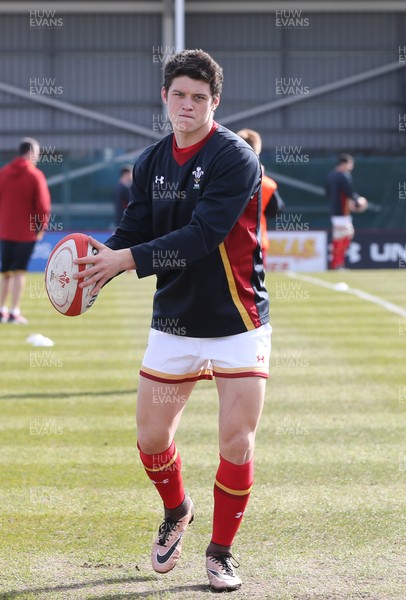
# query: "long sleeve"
194,223
224,199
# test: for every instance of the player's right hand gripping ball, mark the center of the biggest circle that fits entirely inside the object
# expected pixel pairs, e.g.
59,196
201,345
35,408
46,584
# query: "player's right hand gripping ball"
62,289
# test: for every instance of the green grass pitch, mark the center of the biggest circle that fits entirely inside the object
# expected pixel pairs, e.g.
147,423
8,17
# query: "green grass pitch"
327,516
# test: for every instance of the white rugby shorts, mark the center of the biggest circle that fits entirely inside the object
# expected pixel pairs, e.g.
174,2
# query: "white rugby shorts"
342,227
176,358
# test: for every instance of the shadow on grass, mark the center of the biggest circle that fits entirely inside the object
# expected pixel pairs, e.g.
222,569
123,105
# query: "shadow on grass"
61,395
157,593
73,586
106,596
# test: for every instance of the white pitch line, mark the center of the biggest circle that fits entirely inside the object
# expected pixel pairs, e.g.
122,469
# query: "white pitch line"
389,306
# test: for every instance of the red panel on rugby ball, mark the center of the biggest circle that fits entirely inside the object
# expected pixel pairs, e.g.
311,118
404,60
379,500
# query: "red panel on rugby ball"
62,289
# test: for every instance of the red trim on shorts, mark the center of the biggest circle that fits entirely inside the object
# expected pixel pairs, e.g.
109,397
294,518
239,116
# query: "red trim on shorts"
174,380
242,374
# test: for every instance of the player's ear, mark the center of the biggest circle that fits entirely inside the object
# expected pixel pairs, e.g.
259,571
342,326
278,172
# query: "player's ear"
216,102
163,95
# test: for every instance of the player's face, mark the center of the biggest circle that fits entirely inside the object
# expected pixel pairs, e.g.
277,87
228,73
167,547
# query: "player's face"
190,107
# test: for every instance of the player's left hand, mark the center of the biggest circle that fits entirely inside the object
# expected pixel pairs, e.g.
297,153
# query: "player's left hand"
106,264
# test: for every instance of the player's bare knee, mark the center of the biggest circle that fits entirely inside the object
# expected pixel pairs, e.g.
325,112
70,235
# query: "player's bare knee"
237,447
151,443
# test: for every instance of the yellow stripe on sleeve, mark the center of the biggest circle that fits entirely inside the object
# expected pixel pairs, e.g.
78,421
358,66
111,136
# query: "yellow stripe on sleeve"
233,289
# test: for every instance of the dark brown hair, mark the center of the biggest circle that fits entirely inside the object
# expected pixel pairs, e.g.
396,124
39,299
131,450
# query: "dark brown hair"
195,64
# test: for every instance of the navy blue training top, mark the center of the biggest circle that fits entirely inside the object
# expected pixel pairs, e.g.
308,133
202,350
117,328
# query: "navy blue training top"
339,187
193,221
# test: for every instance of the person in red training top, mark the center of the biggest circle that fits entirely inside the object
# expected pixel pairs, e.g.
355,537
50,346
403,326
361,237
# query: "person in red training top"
193,222
272,203
343,201
25,206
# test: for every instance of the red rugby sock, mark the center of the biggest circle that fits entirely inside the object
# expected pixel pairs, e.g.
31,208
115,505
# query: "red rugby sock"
231,494
164,470
338,253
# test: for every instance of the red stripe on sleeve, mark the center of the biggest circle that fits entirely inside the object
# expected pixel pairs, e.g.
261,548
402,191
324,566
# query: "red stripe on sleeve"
240,245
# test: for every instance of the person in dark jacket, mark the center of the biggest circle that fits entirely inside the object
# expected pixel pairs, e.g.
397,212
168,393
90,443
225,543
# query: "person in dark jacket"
122,192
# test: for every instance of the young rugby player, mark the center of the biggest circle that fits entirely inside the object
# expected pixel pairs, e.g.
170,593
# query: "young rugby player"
193,221
343,201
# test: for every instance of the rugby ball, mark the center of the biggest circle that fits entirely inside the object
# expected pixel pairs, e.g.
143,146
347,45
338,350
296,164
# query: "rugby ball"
361,206
62,289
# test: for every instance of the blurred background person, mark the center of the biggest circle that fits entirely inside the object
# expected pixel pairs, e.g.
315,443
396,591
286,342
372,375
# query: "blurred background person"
343,201
272,203
122,191
25,206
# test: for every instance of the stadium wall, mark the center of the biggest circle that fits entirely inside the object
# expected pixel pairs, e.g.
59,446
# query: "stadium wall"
315,81
111,63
